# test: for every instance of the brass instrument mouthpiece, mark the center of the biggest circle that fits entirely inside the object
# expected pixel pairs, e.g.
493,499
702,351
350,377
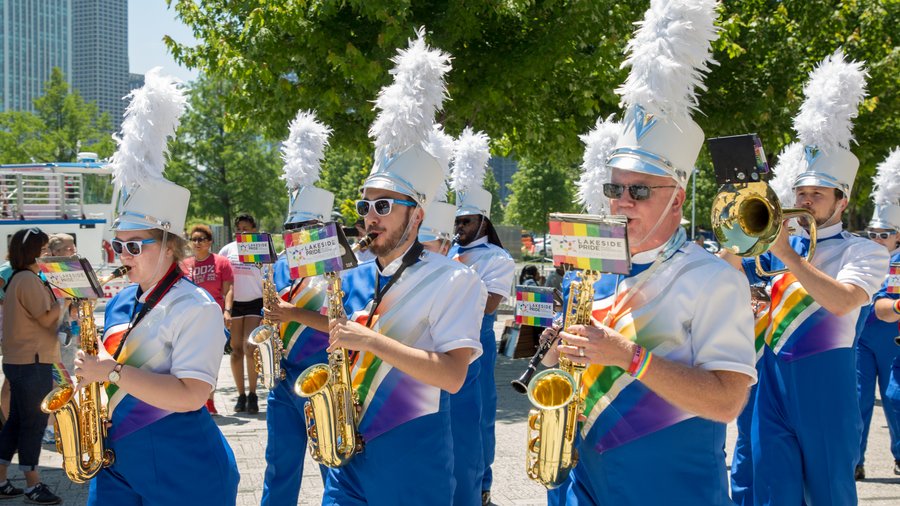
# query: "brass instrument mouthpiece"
364,243
117,273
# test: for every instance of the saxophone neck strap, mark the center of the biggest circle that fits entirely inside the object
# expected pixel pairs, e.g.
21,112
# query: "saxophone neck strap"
411,256
159,291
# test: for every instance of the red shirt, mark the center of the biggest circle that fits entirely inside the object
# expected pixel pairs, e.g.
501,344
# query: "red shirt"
210,274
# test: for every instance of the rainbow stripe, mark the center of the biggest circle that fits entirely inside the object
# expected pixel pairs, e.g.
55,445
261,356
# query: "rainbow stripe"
533,295
257,239
893,280
301,266
57,272
564,237
300,341
799,327
61,375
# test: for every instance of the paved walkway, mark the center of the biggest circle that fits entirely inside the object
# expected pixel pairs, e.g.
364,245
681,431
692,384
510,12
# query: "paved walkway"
247,435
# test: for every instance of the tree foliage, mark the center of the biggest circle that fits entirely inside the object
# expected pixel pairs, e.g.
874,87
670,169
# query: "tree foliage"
535,75
228,172
539,188
62,126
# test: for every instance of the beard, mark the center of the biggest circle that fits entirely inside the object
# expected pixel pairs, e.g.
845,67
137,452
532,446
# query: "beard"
820,220
387,241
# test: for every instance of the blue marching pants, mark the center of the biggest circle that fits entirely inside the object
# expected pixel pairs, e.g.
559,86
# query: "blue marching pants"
468,451
488,361
875,355
742,459
680,465
891,402
806,430
286,443
409,465
180,459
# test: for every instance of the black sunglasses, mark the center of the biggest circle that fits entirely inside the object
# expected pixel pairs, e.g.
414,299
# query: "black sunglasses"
880,235
637,191
199,239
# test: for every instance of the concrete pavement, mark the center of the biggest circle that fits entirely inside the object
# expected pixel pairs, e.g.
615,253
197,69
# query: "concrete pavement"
247,435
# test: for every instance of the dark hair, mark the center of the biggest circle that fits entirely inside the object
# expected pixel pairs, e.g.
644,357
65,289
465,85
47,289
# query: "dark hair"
491,232
203,229
25,246
529,271
245,217
838,194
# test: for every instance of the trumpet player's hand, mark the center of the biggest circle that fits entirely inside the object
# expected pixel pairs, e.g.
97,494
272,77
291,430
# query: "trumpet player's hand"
282,312
551,358
596,344
92,368
732,259
351,335
781,248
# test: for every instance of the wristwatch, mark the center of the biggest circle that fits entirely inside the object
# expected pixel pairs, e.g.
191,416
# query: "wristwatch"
114,375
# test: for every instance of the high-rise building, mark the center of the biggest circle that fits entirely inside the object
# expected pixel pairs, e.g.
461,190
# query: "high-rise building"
135,81
35,36
100,54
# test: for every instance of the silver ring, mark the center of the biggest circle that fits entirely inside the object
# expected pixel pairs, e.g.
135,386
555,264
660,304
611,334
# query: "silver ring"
580,352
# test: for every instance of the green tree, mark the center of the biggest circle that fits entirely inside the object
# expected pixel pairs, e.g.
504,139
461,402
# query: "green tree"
20,137
228,172
538,189
343,173
490,184
539,72
70,124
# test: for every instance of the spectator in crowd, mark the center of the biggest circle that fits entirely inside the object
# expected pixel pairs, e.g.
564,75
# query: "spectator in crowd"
213,273
529,276
30,348
62,245
554,279
5,272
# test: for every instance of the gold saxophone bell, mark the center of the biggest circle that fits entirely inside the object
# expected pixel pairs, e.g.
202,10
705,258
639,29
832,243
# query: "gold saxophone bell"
747,218
79,416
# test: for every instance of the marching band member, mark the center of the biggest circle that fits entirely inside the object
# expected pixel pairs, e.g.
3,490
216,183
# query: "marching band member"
804,433
478,247
162,343
436,232
412,347
670,352
300,313
876,350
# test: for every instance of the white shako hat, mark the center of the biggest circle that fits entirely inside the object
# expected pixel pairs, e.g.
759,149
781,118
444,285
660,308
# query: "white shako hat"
470,162
302,153
405,123
668,55
439,215
886,193
598,144
148,200
824,127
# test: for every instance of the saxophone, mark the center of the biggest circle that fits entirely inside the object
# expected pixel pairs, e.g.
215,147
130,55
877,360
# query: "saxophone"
556,395
332,411
80,417
267,338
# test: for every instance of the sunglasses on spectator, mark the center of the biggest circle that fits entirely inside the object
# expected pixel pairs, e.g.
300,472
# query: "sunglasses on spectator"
199,239
383,207
134,248
880,235
636,191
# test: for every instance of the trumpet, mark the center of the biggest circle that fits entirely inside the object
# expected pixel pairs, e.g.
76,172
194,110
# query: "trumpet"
747,218
332,412
80,418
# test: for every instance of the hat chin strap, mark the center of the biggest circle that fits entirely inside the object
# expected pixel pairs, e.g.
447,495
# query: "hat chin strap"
162,255
405,235
659,221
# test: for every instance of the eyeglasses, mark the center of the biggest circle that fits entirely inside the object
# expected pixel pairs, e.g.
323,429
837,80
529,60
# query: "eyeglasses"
32,230
134,248
199,239
637,191
382,207
880,235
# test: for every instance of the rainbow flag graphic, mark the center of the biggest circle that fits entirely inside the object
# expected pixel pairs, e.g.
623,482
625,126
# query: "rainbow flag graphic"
534,306
255,248
68,277
893,280
596,246
314,250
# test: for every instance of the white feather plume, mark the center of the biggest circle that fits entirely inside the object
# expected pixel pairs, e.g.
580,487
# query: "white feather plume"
791,163
408,105
441,145
151,118
834,92
304,150
470,158
887,180
599,143
669,55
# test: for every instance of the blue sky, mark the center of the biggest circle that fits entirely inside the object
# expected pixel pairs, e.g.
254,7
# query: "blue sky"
148,21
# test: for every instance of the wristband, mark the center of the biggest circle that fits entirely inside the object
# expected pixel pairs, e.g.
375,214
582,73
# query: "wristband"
640,362
897,306
227,310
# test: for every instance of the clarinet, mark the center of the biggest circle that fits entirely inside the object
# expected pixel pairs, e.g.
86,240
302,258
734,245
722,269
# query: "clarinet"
520,384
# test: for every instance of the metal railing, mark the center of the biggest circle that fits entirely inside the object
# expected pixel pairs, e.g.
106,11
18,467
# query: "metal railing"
45,196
